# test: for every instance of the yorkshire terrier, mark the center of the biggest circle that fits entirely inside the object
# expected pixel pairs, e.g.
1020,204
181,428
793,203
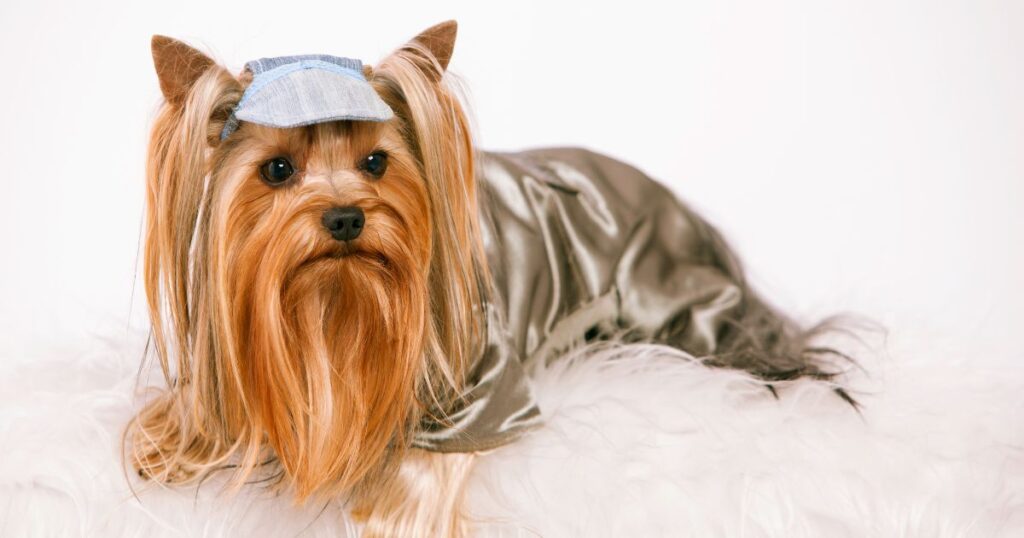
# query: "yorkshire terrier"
345,293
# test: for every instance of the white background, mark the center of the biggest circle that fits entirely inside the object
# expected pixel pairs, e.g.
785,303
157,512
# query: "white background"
862,156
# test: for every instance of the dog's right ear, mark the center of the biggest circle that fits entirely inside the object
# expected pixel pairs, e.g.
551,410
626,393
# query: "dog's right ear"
178,66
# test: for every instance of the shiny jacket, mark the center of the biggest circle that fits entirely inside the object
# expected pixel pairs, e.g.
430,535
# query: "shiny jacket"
580,247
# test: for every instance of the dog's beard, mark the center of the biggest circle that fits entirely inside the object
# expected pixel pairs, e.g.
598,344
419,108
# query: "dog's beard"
332,344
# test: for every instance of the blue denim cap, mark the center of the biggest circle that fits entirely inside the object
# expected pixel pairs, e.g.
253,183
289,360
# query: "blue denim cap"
290,91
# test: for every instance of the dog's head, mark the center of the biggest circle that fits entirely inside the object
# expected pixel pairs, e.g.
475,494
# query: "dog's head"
313,290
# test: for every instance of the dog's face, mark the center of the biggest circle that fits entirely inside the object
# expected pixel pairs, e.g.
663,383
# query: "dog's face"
313,289
339,197
319,241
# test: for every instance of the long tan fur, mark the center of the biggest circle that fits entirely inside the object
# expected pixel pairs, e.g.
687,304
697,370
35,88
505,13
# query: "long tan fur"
276,347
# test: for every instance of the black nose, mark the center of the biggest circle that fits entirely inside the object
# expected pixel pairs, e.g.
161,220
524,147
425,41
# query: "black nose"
344,223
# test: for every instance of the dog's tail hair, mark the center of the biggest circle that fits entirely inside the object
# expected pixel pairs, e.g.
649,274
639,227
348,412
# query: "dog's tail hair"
759,339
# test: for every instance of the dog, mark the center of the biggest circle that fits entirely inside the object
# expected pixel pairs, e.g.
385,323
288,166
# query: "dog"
345,293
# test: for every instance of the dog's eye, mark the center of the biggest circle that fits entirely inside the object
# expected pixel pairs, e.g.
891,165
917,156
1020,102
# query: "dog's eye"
375,164
276,171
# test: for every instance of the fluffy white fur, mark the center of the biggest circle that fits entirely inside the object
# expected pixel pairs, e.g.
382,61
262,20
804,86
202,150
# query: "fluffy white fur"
639,441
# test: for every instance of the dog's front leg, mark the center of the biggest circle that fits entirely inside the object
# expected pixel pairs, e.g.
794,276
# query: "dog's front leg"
424,500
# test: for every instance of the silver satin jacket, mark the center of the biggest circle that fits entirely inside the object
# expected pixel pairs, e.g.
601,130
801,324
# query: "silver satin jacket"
580,247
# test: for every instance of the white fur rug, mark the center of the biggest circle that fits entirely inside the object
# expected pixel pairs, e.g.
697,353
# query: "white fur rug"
639,442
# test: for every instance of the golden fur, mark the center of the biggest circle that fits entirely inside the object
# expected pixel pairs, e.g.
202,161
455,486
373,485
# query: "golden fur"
279,344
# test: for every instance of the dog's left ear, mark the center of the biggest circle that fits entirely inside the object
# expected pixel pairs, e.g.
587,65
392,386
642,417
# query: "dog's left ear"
439,40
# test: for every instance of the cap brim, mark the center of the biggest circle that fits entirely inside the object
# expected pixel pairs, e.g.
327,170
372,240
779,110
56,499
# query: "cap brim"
309,96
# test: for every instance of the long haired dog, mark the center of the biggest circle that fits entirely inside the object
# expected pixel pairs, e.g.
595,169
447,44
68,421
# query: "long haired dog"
335,305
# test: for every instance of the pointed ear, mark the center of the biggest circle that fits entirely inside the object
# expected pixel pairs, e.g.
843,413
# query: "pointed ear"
178,66
439,40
